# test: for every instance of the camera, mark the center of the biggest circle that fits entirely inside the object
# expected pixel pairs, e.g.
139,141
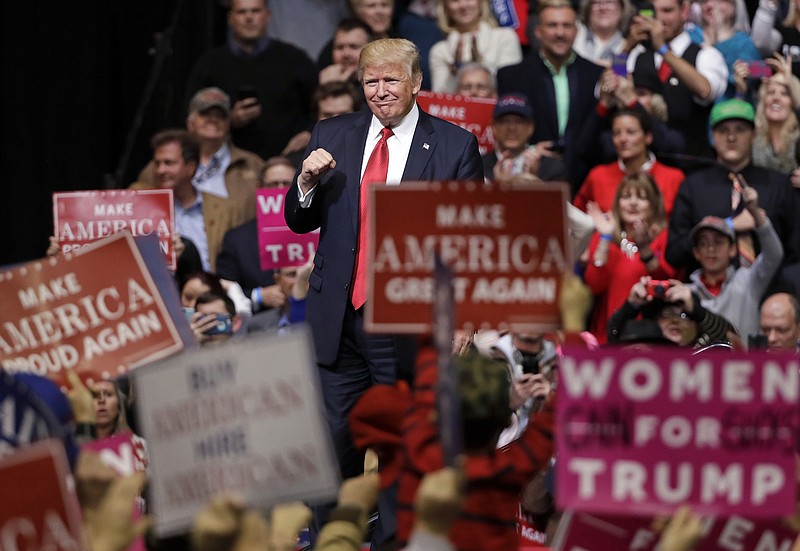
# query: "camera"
657,288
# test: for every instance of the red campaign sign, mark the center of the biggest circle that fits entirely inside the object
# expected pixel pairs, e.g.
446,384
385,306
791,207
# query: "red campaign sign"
648,430
506,259
97,312
473,114
38,511
579,531
82,217
278,246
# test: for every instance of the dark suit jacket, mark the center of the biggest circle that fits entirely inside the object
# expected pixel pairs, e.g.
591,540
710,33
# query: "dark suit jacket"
439,150
238,258
532,78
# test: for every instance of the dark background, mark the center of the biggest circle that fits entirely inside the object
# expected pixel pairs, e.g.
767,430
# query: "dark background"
73,76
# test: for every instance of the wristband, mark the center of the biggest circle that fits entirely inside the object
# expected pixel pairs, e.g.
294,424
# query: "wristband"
729,221
647,258
663,50
606,236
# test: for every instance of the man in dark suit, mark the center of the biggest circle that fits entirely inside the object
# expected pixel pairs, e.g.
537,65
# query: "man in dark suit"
238,259
326,194
559,84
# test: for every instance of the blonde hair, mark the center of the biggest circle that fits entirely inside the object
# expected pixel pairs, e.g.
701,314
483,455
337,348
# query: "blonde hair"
386,51
626,12
790,131
443,19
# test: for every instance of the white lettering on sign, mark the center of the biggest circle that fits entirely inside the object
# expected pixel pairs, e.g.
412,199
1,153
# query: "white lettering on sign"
639,379
469,216
472,253
448,112
270,204
57,288
118,209
96,229
635,481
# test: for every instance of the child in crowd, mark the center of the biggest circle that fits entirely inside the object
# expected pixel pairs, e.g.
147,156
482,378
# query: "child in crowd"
722,288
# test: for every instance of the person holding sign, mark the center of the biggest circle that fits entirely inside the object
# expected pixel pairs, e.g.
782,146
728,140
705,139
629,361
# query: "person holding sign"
395,141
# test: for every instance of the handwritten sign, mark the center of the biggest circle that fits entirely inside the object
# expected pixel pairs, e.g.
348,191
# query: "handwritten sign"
38,511
82,217
647,431
473,114
507,263
278,246
220,419
98,312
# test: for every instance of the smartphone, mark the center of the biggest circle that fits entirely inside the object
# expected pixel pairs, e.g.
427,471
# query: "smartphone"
620,65
759,69
246,91
647,10
757,341
224,326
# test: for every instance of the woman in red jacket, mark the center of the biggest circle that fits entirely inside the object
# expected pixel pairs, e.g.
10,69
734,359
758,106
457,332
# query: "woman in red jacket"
629,243
632,136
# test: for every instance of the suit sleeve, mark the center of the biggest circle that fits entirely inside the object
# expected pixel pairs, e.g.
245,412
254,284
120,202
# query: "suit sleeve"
471,165
304,220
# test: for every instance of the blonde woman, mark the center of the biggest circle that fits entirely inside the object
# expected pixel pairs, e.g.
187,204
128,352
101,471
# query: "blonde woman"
600,26
472,36
776,140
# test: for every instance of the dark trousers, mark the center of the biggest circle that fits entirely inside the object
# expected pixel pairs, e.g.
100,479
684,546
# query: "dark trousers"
363,360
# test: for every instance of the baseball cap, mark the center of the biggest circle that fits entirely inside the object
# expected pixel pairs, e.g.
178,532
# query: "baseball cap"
210,97
513,105
732,109
714,223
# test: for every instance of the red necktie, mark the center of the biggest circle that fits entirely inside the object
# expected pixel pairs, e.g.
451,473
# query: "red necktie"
375,172
664,71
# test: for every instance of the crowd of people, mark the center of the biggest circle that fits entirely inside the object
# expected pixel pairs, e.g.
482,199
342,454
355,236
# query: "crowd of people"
674,125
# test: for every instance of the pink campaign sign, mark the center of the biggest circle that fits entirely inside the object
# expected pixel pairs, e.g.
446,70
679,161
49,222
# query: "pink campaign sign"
588,532
278,246
645,431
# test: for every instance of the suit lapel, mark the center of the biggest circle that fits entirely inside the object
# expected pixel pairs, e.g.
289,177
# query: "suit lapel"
422,146
355,140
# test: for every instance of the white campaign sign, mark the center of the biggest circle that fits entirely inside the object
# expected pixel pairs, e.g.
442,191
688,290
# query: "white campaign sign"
244,418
